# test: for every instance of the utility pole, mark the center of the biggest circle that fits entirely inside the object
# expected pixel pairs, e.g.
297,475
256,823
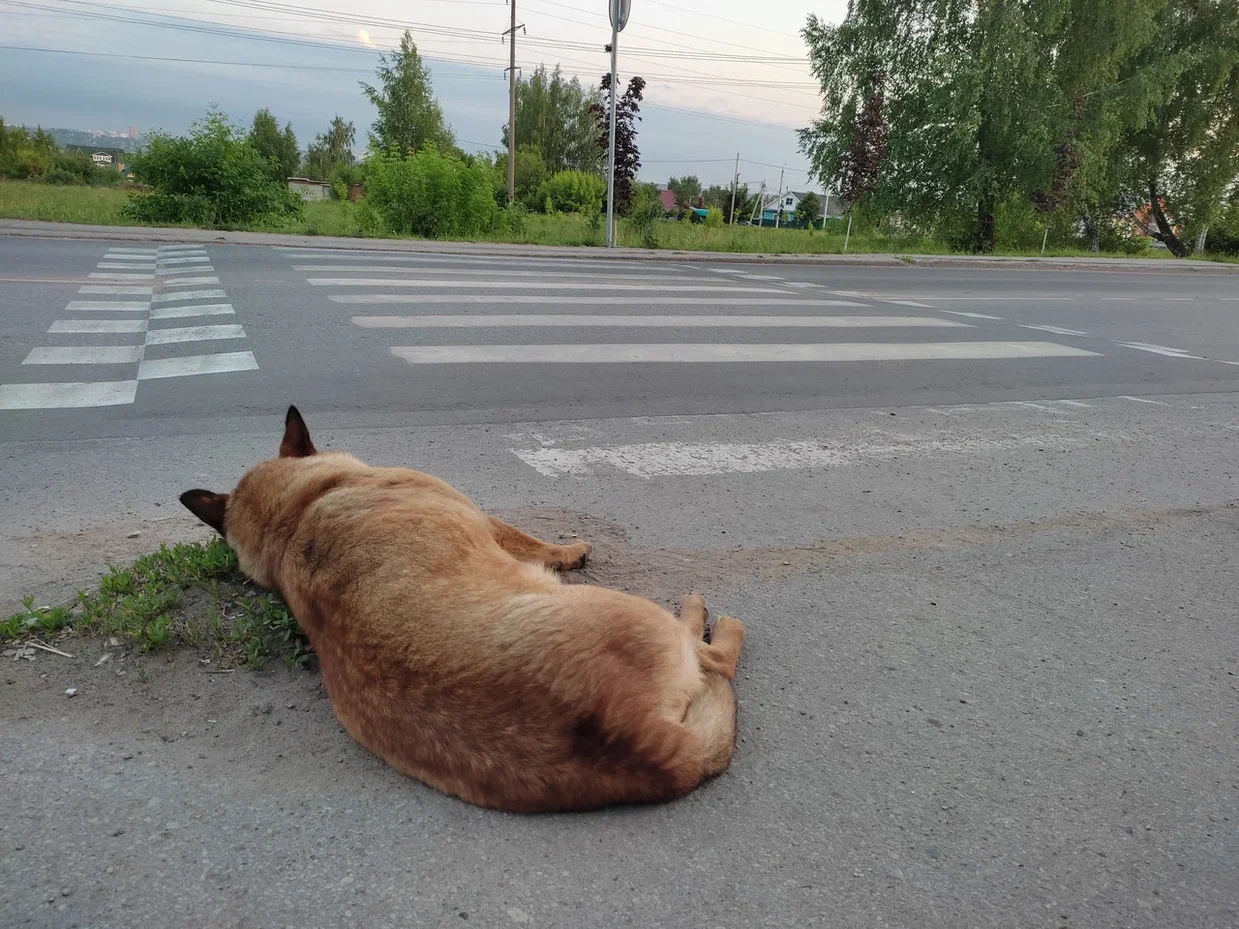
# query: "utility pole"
618,11
760,204
735,180
511,33
778,204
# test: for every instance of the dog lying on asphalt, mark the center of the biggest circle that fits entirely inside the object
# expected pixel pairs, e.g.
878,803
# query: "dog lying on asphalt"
450,647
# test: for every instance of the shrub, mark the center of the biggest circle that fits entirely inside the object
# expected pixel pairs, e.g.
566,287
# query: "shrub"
430,194
647,210
62,177
213,177
574,192
714,217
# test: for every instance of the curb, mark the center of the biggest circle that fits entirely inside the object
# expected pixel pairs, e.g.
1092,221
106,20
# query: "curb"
40,229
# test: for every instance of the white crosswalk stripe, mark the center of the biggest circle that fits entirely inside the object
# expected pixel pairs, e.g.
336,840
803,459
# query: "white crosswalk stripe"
501,297
124,321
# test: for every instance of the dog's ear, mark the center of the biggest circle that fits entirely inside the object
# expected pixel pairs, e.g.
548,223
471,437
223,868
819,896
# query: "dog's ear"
296,442
207,506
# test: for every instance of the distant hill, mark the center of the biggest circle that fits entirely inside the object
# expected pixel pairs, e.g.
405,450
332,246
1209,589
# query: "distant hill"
87,137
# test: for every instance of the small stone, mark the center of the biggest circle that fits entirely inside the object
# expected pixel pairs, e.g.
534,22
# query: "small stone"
517,915
71,692
66,892
117,833
134,535
933,852
1080,732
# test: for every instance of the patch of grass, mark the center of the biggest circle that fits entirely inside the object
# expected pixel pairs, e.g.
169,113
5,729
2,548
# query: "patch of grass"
92,205
188,594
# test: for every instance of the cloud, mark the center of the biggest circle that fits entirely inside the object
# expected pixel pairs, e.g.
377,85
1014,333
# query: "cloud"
364,38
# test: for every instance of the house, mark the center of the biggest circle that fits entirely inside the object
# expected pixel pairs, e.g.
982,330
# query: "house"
789,201
103,157
668,200
309,189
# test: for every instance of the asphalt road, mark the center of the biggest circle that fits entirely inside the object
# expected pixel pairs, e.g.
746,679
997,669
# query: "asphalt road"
981,525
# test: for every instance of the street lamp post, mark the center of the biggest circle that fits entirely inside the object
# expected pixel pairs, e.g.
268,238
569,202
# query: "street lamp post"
619,10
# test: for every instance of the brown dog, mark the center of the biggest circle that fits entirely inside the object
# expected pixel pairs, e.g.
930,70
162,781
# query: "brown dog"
450,647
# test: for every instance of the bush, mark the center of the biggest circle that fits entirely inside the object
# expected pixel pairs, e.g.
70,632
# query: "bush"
62,177
343,177
1018,227
714,217
430,194
213,177
573,192
647,211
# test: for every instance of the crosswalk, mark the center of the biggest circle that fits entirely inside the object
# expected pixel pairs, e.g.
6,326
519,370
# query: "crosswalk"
495,301
134,322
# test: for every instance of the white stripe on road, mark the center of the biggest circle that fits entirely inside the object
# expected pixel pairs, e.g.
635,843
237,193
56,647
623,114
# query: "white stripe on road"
97,325
469,272
635,300
693,459
188,295
65,396
1161,350
188,259
996,298
969,315
661,322
116,289
120,306
1056,330
179,247
532,285
909,303
679,352
117,276
193,334
1087,406
85,355
1117,299
132,251
189,365
187,281
485,260
1143,400
127,266
196,269
184,312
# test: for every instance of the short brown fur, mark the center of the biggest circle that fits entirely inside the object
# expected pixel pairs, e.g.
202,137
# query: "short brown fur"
450,647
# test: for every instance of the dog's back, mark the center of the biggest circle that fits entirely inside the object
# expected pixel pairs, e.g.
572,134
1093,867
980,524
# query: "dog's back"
466,667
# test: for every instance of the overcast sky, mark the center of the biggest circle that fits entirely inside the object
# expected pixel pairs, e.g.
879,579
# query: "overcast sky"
689,125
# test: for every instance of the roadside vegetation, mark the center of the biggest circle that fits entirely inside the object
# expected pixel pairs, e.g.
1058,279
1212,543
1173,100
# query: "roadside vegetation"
188,594
1026,129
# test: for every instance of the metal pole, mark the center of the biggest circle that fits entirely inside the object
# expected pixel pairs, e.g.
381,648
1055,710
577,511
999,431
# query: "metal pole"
1045,238
778,205
847,238
735,181
512,106
611,158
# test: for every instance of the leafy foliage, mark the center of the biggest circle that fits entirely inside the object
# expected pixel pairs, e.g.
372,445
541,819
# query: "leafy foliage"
943,112
431,193
331,150
531,175
409,115
553,118
278,147
574,192
627,115
25,156
686,189
808,210
213,177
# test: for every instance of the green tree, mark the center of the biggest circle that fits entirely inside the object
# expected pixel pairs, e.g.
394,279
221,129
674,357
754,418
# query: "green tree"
23,155
331,150
211,177
1185,153
686,189
278,147
531,174
809,210
409,115
552,115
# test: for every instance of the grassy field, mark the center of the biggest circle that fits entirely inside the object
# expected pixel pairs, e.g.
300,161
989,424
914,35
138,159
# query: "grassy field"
102,206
